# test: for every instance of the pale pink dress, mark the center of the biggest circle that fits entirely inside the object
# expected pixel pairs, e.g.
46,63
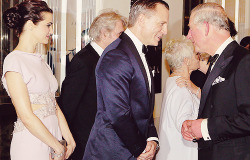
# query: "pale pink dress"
42,86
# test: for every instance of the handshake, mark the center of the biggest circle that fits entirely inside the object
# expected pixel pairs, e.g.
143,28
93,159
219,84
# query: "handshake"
191,130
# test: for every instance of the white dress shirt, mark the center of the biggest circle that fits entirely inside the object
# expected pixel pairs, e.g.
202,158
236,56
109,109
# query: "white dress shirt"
204,128
97,48
138,45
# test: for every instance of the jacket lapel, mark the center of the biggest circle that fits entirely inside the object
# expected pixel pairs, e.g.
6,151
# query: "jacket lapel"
134,51
222,62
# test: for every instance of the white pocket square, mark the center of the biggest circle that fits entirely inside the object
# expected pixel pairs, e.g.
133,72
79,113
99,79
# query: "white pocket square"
218,80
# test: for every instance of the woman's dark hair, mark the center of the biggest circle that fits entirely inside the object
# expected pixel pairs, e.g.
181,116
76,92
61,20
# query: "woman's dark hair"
17,16
245,41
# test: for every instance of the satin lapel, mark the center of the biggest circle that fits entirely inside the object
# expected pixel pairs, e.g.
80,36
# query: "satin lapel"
134,51
152,90
222,62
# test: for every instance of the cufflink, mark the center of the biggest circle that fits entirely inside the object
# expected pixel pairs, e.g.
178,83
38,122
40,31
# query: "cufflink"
158,146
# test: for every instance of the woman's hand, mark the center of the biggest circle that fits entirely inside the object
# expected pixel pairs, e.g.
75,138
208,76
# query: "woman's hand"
185,82
60,158
59,152
70,149
66,133
57,158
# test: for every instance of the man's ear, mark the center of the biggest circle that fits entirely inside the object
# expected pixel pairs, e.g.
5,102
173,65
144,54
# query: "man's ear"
206,28
141,19
104,33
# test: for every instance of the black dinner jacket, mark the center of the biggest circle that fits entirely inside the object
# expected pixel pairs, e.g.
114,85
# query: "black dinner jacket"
227,106
124,118
78,99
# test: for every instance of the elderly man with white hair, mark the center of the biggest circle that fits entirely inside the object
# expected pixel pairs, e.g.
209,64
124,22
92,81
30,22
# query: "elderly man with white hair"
223,124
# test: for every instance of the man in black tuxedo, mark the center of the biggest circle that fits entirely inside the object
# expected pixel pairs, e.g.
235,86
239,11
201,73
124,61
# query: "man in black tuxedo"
78,95
223,125
124,126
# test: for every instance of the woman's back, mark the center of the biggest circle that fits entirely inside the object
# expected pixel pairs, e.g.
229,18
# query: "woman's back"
178,105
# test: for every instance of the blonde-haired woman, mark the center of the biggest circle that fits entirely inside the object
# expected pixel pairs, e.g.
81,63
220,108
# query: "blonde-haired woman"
179,104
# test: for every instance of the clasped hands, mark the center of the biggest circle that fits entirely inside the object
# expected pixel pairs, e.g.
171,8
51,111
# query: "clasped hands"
68,150
191,129
149,151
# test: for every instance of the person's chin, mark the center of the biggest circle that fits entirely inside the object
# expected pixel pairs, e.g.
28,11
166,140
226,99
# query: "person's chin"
155,43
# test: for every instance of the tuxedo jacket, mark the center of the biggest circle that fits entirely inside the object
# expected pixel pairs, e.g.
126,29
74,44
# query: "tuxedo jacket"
124,118
225,101
78,99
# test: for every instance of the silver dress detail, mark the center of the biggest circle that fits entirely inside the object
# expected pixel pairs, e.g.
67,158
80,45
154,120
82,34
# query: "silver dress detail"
48,102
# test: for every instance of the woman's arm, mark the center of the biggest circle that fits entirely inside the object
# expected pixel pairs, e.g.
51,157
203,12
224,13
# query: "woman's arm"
65,132
20,99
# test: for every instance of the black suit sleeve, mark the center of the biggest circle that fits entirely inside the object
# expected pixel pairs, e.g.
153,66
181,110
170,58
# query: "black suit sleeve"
115,73
74,86
228,127
151,129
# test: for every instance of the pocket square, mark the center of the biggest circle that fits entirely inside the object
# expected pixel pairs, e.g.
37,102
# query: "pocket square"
218,80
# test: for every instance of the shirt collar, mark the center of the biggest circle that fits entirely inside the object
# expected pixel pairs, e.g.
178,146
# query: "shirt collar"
97,48
223,46
136,41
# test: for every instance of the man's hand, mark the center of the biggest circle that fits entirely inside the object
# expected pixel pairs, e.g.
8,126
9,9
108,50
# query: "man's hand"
185,130
195,128
191,129
149,151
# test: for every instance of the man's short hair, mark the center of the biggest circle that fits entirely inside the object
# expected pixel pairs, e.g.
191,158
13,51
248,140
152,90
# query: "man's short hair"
106,20
177,50
212,13
143,7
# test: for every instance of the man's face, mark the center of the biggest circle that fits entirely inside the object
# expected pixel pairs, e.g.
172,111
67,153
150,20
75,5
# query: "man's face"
155,25
195,34
119,28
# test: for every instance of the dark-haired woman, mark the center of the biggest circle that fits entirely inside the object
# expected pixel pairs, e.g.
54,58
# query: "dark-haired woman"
31,85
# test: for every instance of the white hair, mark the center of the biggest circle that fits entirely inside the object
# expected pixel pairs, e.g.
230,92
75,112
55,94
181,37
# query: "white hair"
177,50
212,13
106,20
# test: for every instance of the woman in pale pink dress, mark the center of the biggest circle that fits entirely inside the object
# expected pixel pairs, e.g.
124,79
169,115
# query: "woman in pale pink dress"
31,85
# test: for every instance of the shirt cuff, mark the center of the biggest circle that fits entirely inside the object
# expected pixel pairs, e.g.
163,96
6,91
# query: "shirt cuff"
153,139
204,130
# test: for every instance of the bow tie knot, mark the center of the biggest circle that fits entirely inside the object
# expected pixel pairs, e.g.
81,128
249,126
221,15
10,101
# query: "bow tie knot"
212,59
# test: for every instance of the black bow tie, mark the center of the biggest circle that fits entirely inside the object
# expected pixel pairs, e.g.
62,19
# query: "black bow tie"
212,59
144,49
